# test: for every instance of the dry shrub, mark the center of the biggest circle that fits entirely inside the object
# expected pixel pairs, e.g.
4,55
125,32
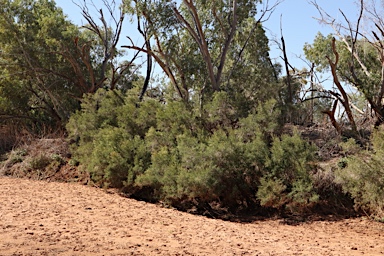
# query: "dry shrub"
8,137
14,134
42,159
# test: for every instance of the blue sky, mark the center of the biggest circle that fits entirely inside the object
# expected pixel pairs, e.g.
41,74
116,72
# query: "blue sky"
299,26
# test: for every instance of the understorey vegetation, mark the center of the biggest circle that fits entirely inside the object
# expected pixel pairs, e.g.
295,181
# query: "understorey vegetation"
180,155
220,128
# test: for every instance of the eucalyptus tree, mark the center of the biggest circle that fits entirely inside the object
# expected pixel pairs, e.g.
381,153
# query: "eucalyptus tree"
354,55
48,63
202,45
36,82
101,36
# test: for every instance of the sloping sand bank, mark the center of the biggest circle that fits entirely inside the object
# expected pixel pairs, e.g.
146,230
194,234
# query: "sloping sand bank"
41,218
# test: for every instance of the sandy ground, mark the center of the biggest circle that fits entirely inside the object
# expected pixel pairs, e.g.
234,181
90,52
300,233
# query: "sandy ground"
41,218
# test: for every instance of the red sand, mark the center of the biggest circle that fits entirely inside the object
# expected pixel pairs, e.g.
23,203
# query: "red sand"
41,218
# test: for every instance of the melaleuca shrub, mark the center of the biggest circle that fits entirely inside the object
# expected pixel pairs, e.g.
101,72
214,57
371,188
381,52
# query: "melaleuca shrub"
174,120
267,117
117,158
290,168
224,167
176,172
175,123
272,192
161,175
362,176
208,155
190,162
220,112
108,134
260,125
238,164
137,118
97,110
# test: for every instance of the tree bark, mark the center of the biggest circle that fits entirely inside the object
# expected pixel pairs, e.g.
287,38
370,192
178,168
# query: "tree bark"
345,100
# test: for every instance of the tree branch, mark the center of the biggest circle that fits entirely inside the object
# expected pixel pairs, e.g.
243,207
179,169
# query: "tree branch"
345,101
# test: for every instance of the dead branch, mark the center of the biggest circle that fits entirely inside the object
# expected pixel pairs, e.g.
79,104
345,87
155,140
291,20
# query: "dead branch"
328,20
345,100
331,115
109,40
286,63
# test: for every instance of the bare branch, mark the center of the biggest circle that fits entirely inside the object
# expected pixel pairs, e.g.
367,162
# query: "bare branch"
328,20
108,38
286,63
345,100
165,67
331,115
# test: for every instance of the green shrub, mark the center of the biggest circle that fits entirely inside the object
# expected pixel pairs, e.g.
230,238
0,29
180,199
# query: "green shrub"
58,158
303,193
238,165
16,156
343,162
14,159
40,162
350,147
97,110
175,173
290,168
183,154
220,113
363,176
73,162
271,193
108,137
117,158
176,118
222,167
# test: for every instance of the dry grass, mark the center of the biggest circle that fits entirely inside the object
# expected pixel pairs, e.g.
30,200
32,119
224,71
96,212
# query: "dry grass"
42,159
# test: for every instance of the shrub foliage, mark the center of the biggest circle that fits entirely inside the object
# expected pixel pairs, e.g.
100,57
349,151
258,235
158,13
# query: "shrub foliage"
183,154
362,175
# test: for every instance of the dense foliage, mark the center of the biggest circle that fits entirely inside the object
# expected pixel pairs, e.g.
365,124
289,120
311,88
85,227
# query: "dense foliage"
361,174
182,156
36,80
212,132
